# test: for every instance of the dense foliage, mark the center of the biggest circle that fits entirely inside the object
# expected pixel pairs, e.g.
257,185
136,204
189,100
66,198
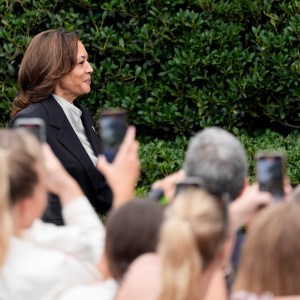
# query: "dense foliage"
175,65
160,158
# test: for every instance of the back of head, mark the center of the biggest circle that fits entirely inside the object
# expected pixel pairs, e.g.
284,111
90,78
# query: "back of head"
131,230
219,160
192,236
5,221
270,255
23,155
49,56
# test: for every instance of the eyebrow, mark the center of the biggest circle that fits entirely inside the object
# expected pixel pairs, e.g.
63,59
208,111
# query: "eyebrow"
83,56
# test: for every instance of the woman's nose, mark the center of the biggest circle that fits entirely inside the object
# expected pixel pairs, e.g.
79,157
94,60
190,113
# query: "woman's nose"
89,68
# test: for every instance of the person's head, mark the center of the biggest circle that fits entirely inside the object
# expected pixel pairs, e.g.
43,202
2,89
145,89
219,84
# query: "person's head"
54,62
191,243
219,160
270,255
27,191
5,221
131,230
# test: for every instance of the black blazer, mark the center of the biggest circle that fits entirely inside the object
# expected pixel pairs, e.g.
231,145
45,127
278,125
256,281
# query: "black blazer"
69,150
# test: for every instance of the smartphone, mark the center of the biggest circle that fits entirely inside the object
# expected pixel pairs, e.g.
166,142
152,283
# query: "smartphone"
188,182
270,171
36,126
112,127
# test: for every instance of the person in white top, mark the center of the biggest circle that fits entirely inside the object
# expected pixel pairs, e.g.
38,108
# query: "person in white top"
44,259
132,230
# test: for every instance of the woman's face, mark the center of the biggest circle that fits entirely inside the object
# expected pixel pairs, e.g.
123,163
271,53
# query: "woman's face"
78,81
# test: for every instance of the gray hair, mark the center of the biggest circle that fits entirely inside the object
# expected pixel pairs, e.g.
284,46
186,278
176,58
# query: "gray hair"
218,159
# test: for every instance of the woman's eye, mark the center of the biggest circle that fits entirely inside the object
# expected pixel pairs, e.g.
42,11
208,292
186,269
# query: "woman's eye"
81,62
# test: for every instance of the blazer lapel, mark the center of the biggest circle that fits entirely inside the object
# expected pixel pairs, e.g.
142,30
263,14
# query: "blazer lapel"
68,138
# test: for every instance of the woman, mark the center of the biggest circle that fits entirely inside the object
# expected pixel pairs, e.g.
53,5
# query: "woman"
53,74
43,259
270,257
131,230
190,250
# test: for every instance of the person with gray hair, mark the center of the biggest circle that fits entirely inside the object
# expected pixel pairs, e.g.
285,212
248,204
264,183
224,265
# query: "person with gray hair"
218,160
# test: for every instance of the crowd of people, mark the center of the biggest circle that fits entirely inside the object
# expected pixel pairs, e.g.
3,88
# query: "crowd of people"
54,246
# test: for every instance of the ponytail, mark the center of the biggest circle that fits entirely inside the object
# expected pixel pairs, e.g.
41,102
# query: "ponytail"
191,238
181,262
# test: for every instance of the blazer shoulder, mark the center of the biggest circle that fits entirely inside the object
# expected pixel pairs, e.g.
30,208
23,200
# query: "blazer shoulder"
35,110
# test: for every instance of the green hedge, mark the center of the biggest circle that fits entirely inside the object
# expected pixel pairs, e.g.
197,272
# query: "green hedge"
160,158
174,65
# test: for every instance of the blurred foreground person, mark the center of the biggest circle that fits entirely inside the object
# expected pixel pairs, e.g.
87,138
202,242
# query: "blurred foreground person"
217,160
191,247
44,260
131,230
269,262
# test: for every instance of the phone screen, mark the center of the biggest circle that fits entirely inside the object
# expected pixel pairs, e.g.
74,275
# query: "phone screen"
35,126
270,174
113,126
188,182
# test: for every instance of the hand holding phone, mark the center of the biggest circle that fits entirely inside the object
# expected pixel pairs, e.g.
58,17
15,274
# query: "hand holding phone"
35,126
112,126
270,171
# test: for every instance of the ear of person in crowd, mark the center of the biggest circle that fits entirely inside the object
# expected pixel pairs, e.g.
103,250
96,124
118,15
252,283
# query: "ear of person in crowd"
122,174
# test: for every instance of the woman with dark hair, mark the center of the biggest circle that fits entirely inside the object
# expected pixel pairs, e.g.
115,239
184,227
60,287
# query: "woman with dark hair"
54,73
131,230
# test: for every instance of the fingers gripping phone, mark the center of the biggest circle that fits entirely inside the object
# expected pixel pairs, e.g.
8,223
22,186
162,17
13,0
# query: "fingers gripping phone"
35,126
112,126
270,170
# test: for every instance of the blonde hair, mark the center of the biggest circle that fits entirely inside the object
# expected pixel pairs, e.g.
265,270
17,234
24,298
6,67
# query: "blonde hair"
5,220
192,236
270,256
23,153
